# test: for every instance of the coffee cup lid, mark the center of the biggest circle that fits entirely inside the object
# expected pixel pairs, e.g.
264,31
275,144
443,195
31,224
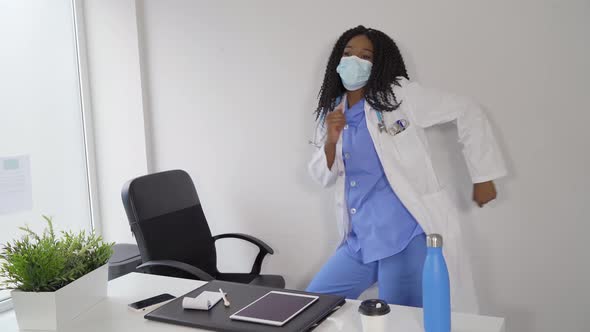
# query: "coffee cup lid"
374,308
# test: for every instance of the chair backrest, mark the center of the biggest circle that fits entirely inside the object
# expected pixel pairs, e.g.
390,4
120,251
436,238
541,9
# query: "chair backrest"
168,222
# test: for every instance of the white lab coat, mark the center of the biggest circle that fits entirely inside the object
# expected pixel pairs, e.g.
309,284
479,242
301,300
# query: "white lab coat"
408,166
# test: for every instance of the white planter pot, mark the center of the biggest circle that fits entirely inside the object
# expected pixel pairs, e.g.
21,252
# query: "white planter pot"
53,310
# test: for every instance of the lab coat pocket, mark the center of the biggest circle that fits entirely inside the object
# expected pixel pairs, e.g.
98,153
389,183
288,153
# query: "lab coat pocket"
407,142
412,158
412,153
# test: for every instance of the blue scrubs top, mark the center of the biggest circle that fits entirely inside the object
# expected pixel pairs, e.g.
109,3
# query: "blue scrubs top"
381,224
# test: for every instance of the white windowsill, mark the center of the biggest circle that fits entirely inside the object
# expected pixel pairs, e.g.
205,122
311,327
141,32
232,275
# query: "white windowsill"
5,305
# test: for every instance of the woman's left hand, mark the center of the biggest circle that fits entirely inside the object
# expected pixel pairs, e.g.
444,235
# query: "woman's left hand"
484,192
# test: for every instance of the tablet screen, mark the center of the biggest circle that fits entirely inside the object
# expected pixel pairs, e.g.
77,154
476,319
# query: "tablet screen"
275,308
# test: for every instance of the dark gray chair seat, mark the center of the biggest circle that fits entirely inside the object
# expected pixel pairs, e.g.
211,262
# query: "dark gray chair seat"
125,259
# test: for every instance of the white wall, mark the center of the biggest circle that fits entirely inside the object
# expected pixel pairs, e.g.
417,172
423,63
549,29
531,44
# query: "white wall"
117,106
232,86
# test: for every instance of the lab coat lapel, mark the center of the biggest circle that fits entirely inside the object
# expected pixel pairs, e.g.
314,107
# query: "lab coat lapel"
389,157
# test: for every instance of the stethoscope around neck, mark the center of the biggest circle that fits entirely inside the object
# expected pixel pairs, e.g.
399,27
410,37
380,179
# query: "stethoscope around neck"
395,128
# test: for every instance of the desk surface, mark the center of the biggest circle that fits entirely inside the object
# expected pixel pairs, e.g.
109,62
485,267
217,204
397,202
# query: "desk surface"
112,314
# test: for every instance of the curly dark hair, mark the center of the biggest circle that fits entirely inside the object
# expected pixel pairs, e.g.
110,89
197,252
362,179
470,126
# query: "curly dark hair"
388,66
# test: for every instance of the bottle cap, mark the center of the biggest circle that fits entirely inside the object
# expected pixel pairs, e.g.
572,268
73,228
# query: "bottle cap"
374,308
434,241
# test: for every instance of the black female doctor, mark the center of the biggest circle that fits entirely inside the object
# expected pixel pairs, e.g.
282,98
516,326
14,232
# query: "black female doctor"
372,149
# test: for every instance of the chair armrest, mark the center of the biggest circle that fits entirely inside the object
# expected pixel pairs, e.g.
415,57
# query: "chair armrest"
195,271
259,243
264,248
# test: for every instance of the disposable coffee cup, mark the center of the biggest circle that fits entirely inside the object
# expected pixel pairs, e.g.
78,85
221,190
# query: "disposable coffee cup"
374,315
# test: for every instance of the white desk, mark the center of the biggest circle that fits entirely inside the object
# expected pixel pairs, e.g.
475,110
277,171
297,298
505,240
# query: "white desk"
112,315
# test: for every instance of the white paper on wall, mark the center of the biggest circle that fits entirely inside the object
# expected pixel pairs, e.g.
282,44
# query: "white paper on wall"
15,184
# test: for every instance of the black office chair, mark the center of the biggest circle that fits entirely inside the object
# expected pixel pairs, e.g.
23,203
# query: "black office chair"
172,233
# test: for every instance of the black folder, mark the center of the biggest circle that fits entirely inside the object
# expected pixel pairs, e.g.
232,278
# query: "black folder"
240,295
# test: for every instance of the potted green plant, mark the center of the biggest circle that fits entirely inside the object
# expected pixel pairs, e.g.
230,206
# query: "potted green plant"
54,278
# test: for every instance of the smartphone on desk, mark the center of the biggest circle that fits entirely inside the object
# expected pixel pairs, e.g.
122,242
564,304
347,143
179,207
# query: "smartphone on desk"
151,303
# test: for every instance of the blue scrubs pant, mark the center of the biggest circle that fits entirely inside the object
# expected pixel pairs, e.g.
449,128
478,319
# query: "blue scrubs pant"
399,276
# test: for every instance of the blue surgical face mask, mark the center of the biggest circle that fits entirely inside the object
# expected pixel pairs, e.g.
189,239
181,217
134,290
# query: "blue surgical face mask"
354,72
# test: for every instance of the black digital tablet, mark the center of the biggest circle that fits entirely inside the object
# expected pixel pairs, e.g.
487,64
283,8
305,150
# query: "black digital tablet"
275,308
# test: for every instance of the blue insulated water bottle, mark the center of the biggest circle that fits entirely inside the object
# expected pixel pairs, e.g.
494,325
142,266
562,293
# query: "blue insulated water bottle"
436,288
